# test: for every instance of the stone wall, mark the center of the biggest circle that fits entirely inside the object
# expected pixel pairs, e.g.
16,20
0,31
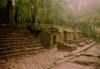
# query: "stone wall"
45,39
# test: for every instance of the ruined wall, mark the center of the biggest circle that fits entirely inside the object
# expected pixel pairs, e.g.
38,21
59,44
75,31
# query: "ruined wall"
45,39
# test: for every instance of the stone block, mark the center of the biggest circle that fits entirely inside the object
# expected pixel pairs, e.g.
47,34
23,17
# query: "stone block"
66,47
82,44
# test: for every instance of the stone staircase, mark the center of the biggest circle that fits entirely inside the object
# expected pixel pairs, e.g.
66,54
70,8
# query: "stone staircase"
18,41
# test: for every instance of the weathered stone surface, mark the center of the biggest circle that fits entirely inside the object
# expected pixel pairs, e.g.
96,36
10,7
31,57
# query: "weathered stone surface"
66,47
82,44
18,40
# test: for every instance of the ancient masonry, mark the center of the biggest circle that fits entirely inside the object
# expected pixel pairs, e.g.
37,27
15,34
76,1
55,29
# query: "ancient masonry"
18,40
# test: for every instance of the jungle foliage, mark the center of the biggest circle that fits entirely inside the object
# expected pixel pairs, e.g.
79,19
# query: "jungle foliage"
31,12
42,11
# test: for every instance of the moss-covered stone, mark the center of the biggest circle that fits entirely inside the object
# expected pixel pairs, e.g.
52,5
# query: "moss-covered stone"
45,38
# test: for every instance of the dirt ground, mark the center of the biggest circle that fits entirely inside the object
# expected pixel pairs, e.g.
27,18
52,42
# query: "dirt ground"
46,60
67,65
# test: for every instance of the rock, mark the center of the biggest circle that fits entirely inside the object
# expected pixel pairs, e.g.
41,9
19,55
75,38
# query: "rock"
82,44
66,47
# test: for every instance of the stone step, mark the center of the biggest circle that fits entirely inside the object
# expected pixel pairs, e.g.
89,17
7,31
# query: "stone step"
14,33
17,40
17,37
19,46
25,38
21,53
10,33
4,44
5,52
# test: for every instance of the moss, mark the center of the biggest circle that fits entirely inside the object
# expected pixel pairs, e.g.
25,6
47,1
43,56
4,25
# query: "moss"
45,39
46,33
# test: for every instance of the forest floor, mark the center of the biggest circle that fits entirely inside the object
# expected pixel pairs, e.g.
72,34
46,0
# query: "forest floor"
87,61
40,61
47,60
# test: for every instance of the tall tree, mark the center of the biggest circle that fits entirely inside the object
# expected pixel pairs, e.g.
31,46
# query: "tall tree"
2,9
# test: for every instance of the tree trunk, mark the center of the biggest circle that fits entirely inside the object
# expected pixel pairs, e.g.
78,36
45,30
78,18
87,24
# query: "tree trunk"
9,19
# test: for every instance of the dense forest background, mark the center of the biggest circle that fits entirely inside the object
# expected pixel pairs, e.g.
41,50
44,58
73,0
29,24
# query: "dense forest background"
85,16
